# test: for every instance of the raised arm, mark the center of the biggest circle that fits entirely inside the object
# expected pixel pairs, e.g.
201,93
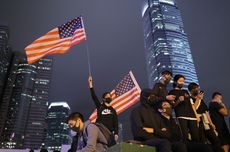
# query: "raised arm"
93,94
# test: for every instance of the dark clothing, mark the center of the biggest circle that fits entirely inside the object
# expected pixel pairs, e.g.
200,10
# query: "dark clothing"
193,129
184,108
175,135
162,145
186,115
207,134
213,139
144,116
160,92
219,122
179,147
74,144
173,129
105,114
198,147
202,107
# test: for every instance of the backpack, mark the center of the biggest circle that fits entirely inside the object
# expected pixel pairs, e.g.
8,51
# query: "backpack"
109,136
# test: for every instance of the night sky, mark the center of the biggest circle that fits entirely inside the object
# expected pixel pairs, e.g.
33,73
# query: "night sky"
115,39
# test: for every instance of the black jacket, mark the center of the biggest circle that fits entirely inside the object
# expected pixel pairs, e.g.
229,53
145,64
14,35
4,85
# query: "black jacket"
106,115
74,144
145,116
184,108
173,129
160,92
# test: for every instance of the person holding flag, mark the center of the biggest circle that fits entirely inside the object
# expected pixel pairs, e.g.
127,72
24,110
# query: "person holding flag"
106,114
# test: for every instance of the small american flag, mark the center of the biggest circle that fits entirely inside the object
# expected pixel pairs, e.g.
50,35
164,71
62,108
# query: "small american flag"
58,40
125,94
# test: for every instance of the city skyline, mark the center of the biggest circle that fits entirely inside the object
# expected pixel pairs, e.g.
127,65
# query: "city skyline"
166,42
58,132
111,34
25,103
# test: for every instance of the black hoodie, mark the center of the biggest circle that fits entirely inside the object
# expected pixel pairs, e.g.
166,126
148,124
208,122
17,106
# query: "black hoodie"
145,116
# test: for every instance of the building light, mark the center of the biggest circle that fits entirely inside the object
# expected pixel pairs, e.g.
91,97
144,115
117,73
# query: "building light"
167,2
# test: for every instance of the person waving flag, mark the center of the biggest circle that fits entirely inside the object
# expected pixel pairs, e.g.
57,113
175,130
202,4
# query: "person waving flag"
124,95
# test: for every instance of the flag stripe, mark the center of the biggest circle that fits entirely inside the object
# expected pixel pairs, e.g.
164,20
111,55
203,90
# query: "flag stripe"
122,104
58,40
50,39
61,47
76,41
41,49
135,99
123,101
122,98
45,46
51,52
54,40
127,98
55,49
52,34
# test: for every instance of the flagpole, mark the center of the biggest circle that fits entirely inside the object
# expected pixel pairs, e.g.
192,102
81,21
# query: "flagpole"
87,50
88,57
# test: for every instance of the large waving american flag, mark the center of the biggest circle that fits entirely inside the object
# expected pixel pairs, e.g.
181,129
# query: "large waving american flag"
125,94
58,40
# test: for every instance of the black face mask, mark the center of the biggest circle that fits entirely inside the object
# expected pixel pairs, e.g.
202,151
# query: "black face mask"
179,85
150,100
195,93
168,111
107,100
76,129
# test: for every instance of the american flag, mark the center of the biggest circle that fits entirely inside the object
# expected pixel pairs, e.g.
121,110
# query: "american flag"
58,40
125,94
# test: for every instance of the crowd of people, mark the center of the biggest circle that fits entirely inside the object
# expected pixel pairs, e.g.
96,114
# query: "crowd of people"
172,121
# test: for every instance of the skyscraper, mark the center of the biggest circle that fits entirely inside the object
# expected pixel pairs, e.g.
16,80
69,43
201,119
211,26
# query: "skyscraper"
5,57
166,43
25,103
36,127
58,130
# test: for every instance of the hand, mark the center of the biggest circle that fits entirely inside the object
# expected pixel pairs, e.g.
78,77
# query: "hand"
198,119
200,95
148,130
222,104
213,126
170,97
171,102
116,137
163,129
181,98
90,80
